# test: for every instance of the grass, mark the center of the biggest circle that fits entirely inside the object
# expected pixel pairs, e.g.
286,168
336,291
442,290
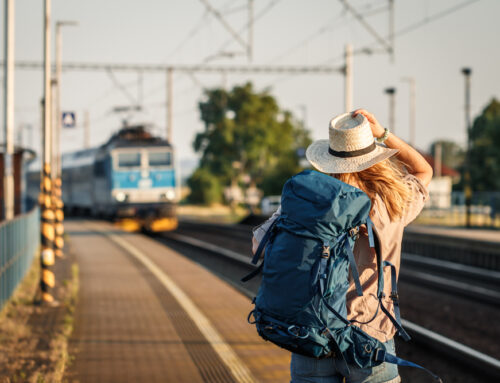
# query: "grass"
32,348
61,342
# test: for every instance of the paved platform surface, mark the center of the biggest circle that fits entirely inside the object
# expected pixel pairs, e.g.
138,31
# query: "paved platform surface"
148,314
472,234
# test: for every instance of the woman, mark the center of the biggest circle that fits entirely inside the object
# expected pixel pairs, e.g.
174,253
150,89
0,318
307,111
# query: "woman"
395,177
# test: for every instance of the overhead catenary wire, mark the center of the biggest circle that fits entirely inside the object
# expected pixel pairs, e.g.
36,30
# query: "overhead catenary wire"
368,48
259,15
192,32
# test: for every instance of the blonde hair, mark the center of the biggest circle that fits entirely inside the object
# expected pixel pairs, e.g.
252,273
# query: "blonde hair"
384,179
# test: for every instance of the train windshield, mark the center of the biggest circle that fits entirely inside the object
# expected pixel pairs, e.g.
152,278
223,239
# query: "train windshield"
160,158
129,160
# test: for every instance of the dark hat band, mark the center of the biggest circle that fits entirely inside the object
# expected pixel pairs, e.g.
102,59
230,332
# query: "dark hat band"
353,153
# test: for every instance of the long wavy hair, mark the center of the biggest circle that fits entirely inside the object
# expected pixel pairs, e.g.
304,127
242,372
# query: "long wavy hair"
384,179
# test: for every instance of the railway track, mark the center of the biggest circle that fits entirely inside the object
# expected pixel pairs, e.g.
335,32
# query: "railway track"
451,277
230,264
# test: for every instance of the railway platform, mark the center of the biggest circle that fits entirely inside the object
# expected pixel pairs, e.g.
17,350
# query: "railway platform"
146,313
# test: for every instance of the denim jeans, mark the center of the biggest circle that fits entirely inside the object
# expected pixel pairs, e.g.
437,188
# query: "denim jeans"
310,370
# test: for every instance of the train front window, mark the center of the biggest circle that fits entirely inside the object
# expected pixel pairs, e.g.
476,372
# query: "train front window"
129,160
160,159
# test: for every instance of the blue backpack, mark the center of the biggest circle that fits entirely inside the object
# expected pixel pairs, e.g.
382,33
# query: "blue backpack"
301,303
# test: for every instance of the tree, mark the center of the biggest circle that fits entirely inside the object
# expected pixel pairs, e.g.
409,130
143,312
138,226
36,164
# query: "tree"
453,155
484,156
247,136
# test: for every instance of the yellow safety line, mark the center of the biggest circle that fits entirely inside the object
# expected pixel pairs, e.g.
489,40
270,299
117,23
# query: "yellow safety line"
239,370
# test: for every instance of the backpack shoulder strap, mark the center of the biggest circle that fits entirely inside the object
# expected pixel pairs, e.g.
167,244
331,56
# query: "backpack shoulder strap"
375,242
258,253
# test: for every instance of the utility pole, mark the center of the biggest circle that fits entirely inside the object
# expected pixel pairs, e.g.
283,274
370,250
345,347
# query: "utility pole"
348,78
250,31
392,108
467,181
58,114
391,29
47,280
411,82
57,169
8,109
169,104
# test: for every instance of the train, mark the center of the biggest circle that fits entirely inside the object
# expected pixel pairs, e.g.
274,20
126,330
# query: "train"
130,179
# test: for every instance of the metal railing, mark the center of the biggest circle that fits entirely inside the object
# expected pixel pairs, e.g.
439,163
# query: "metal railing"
19,242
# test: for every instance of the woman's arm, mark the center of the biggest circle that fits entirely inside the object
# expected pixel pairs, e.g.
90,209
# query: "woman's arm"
416,164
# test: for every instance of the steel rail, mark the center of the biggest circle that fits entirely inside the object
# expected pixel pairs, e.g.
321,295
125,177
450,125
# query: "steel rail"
453,349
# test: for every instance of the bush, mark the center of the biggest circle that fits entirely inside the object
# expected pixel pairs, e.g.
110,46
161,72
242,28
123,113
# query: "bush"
205,187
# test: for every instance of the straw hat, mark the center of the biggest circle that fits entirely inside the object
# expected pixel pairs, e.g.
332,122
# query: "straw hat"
351,147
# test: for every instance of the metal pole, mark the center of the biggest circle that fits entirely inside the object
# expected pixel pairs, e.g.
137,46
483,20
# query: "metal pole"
55,132
250,31
392,108
391,29
169,105
58,82
348,78
8,107
467,179
47,280
58,119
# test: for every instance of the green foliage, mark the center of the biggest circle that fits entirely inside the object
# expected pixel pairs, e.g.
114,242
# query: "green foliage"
453,154
484,157
205,187
247,136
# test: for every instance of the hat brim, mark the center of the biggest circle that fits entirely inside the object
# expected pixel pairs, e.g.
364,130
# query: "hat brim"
319,157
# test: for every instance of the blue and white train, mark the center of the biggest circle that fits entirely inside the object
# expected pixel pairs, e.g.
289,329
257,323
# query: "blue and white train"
131,179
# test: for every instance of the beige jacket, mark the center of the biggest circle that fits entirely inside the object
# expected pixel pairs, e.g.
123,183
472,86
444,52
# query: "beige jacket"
390,233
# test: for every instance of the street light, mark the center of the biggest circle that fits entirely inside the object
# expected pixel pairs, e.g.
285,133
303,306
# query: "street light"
467,181
392,103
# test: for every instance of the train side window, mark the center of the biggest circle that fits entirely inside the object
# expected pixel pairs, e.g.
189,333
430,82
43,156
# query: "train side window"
128,160
160,158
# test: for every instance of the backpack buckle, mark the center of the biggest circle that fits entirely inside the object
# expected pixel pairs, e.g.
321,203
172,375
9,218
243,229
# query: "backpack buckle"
326,252
298,332
354,232
394,296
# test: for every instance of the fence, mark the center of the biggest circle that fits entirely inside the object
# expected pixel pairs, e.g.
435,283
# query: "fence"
19,241
449,209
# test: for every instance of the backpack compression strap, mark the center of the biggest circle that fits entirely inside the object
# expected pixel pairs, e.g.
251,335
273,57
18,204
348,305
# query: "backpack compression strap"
382,356
257,254
395,300
374,242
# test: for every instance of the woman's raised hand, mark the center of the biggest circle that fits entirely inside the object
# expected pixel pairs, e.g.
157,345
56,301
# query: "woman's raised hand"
377,129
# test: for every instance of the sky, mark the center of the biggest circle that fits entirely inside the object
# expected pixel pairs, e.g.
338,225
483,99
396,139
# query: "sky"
285,32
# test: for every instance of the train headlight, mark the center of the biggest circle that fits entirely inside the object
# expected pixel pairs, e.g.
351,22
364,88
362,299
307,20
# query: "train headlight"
169,195
120,197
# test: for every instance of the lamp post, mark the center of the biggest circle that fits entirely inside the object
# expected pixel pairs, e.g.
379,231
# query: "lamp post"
467,181
392,107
